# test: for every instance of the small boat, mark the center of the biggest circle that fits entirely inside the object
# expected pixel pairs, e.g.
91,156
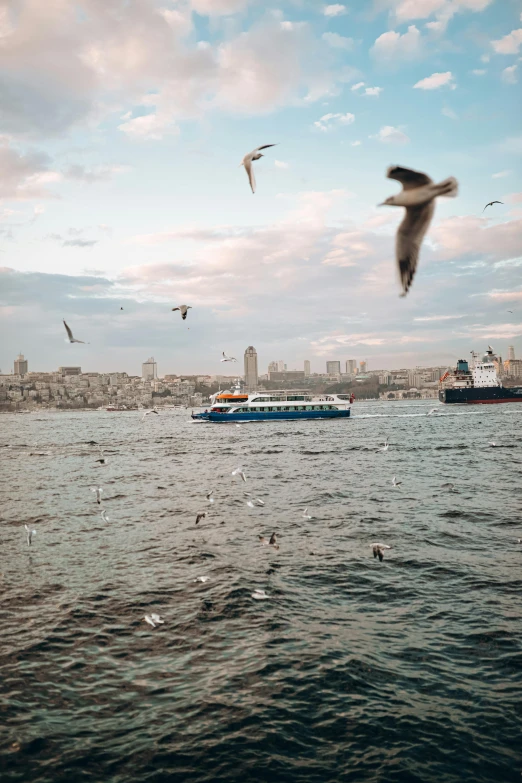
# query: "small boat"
269,406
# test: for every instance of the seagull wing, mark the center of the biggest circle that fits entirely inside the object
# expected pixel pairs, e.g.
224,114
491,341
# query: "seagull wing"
175,308
409,240
247,163
69,333
273,539
264,147
408,178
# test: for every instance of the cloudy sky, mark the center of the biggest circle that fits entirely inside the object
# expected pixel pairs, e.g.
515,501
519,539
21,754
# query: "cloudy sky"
123,123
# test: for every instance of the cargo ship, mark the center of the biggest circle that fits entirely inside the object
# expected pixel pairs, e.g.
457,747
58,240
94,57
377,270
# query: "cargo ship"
477,383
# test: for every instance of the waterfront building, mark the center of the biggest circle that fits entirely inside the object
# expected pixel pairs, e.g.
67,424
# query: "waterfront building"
21,365
363,367
333,368
351,366
149,370
511,353
251,377
307,368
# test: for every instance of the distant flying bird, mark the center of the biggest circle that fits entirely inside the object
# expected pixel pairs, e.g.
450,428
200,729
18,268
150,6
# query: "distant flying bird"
378,550
395,482
153,619
510,311
257,500
70,337
98,491
305,515
200,517
228,358
272,541
247,163
384,447
152,410
239,472
260,595
431,412
121,308
183,310
104,516
209,496
491,204
250,504
418,196
30,533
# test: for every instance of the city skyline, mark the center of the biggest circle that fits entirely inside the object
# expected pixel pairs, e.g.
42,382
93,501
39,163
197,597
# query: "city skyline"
122,194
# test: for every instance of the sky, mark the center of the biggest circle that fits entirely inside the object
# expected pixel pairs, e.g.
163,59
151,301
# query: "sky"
123,124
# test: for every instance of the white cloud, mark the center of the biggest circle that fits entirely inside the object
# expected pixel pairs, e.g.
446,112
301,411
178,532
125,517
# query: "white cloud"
443,10
485,58
25,176
334,10
478,72
338,41
280,164
435,81
218,7
439,317
509,74
509,44
376,91
390,135
355,143
328,121
393,47
500,174
447,112
357,86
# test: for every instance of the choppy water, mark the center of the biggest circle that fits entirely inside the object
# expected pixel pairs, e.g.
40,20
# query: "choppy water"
353,670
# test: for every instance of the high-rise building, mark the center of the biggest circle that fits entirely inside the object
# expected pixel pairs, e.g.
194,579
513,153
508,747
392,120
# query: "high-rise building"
20,365
251,368
149,370
281,366
351,366
306,368
511,353
333,368
272,367
363,367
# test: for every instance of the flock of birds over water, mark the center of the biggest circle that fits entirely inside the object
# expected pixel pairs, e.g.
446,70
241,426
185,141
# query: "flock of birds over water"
417,196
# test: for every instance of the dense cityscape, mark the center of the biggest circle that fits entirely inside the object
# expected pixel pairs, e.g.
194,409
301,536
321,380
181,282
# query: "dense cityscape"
70,388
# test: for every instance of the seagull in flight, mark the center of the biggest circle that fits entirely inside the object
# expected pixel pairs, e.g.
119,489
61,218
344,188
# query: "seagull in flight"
202,579
260,595
228,358
247,163
431,412
491,204
395,482
153,410
384,447
70,337
30,533
257,500
418,196
183,310
104,516
272,541
153,619
378,550
209,496
200,517
239,472
98,491
305,515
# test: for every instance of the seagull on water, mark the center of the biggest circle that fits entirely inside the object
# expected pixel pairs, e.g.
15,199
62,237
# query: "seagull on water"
492,443
70,338
183,310
239,472
104,516
247,163
491,204
200,517
153,619
272,541
103,459
209,496
260,595
305,515
30,533
202,579
378,550
98,491
448,485
418,196
228,358
153,410
395,482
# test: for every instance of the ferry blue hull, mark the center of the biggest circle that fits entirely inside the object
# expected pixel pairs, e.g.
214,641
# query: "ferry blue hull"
482,396
272,415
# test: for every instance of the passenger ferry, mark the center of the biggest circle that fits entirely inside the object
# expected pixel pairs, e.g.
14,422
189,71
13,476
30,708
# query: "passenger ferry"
267,406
